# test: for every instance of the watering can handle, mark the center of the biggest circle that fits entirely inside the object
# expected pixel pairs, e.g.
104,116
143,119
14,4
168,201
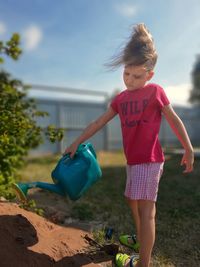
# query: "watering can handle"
89,145
66,157
80,148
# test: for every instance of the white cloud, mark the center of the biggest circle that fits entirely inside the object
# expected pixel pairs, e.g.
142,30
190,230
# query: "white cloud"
2,28
32,37
126,10
179,94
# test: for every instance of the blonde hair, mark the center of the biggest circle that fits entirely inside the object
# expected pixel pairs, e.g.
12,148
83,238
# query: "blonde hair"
139,50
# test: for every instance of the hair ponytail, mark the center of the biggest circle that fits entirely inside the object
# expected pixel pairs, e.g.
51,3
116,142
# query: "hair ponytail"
139,50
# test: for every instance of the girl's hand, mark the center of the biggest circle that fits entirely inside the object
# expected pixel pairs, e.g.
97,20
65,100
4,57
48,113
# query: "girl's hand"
188,161
71,150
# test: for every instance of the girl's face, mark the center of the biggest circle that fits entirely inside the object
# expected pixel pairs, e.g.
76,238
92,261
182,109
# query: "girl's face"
136,76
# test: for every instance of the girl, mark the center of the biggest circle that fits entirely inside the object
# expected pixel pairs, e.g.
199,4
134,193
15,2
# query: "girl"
140,107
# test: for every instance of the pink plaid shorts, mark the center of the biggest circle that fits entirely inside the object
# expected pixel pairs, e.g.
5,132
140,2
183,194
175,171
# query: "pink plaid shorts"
143,180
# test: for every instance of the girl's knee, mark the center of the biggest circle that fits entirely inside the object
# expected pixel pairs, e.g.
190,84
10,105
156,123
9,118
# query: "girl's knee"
147,217
146,209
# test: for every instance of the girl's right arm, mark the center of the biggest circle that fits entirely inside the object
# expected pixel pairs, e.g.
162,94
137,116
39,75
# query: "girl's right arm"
90,130
179,129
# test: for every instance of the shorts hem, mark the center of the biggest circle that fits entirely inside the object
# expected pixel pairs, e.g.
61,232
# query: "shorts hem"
141,198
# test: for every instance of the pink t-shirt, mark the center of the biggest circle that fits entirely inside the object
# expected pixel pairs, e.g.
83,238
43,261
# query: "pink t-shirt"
140,115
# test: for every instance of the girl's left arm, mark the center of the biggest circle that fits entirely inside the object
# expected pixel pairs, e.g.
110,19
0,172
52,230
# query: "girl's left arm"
178,128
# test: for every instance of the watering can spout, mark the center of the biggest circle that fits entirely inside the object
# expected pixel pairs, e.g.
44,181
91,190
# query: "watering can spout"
51,187
21,189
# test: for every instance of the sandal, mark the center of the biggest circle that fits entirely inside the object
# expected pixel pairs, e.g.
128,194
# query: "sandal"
121,260
123,239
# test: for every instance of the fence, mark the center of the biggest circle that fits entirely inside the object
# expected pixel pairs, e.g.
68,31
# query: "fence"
74,109
190,117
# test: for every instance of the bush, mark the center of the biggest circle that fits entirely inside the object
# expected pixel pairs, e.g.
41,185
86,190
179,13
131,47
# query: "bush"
18,132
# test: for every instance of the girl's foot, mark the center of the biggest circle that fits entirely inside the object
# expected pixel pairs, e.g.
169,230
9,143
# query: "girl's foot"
123,260
130,241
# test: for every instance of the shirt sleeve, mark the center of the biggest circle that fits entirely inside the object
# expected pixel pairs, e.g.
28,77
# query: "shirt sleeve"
114,105
162,97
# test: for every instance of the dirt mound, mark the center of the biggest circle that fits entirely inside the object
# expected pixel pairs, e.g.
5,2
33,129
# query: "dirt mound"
30,240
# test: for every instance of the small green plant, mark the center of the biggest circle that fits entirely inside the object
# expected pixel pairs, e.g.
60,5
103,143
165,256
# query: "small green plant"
99,236
32,206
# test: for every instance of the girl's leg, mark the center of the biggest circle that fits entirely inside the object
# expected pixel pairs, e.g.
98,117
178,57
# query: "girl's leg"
133,204
147,212
144,212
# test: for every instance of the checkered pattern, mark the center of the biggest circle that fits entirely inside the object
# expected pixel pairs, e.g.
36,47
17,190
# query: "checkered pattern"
143,180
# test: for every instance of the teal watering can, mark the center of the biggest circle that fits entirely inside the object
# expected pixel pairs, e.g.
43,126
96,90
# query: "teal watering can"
71,177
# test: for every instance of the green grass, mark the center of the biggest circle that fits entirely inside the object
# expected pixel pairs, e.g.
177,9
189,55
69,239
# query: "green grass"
178,205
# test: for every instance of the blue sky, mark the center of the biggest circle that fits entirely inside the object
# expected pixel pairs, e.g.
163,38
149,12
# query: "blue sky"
66,42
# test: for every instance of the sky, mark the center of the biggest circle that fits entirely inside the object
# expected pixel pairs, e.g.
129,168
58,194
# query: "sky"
66,43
